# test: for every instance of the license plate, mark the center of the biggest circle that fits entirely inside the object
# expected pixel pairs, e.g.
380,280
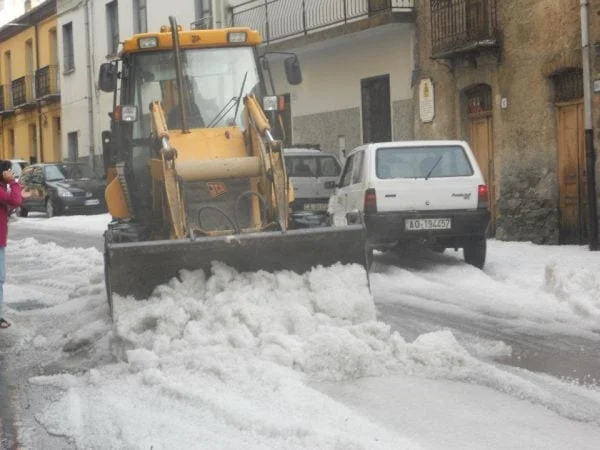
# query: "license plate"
428,224
315,207
92,202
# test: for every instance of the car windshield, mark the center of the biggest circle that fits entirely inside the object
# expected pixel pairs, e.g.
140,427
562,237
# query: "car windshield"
422,162
312,166
213,80
57,172
17,168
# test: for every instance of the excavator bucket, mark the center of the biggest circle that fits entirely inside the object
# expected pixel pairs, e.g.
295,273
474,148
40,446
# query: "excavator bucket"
137,268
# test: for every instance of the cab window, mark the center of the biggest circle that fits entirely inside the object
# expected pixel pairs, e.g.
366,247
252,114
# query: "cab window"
358,167
347,174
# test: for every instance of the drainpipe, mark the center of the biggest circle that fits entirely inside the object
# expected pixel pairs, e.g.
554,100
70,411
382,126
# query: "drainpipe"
40,155
589,132
213,13
90,83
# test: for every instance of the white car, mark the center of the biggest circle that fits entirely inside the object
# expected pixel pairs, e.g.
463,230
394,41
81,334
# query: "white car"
428,191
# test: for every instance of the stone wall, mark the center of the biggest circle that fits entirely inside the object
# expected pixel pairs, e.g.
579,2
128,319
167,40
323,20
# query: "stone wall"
402,120
538,38
324,128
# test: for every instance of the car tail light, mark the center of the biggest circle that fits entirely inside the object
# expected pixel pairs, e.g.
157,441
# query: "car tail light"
482,196
370,201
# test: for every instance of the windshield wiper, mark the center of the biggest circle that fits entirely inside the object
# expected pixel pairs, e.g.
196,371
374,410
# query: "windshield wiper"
237,105
437,161
229,105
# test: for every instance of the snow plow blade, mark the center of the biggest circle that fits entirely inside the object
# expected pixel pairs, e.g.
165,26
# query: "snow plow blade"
136,268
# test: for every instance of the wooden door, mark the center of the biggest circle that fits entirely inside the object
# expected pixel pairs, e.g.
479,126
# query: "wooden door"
572,173
482,146
376,109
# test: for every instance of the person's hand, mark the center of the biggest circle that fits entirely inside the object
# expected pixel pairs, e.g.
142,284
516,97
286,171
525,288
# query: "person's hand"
8,176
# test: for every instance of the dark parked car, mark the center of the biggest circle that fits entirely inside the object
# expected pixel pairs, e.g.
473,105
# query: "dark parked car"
61,188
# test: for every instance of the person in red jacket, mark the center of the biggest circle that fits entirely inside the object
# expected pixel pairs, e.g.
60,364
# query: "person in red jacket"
10,197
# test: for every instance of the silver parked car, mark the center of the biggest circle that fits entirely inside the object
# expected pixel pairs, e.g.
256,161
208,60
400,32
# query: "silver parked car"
314,174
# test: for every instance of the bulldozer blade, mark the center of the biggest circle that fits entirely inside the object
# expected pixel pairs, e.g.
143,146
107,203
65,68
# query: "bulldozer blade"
137,268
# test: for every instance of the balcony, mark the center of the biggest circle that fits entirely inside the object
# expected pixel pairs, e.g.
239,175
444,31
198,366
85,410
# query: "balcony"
278,20
23,92
463,26
47,83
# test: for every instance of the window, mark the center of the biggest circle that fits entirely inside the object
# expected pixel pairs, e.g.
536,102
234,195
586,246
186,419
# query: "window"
112,24
73,146
214,78
33,138
568,85
66,171
68,53
422,162
11,142
312,166
203,14
348,169
358,167
140,16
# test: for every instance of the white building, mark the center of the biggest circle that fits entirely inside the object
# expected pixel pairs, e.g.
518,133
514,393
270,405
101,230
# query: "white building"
357,59
9,9
89,33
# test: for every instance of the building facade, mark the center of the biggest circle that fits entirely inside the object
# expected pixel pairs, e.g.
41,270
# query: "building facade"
90,32
357,59
30,113
514,90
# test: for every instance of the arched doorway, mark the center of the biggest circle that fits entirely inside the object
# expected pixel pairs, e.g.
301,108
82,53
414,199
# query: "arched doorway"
479,113
572,176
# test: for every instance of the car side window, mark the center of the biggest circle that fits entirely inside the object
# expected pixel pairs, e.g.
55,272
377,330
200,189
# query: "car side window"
347,174
329,167
358,167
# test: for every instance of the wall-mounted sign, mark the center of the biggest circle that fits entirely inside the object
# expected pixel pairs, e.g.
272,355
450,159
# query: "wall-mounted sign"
503,103
426,100
596,85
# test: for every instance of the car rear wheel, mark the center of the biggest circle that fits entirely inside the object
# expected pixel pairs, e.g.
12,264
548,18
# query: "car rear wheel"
22,212
50,211
475,251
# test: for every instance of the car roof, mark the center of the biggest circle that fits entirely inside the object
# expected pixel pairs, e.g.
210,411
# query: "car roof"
55,163
417,143
310,151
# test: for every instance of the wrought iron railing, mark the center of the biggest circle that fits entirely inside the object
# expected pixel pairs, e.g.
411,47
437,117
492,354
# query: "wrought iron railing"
461,24
23,90
47,81
281,19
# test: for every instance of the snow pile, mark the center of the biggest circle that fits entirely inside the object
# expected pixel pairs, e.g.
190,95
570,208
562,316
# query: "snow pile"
321,323
525,287
230,361
577,287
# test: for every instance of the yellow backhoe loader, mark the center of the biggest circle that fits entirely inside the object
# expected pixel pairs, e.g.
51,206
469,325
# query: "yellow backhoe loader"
194,171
